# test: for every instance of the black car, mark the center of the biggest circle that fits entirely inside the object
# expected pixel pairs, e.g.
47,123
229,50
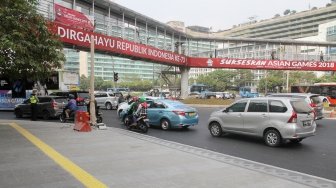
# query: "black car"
48,107
82,97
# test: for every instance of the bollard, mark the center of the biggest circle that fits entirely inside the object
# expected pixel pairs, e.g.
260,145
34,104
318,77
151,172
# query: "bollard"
82,123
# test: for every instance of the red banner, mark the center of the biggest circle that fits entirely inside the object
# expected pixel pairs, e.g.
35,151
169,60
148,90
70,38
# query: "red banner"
260,64
71,17
82,38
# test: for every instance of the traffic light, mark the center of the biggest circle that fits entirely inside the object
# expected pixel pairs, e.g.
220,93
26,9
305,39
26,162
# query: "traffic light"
115,74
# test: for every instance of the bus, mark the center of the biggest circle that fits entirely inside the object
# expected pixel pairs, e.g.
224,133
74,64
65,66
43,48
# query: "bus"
198,88
327,90
202,90
248,92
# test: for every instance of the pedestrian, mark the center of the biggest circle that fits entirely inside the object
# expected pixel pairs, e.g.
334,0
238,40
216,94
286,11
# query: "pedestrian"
33,100
273,55
321,57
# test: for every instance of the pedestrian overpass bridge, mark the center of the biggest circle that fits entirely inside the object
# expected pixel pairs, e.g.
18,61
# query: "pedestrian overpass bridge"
152,41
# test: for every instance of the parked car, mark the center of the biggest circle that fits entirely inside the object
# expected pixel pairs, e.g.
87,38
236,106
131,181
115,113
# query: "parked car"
48,107
272,118
168,114
313,100
82,97
107,100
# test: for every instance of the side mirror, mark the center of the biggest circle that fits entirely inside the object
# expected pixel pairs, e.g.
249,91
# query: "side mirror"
225,110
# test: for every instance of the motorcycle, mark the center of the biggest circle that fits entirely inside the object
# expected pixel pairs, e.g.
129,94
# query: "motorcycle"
63,118
141,123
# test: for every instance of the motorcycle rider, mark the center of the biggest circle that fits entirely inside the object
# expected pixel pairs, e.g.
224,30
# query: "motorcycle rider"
142,106
139,107
134,102
71,106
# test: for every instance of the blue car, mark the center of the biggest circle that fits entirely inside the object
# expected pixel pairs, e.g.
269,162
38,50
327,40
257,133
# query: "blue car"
167,114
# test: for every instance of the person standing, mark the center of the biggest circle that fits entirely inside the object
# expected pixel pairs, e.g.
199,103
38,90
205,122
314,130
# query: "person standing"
33,100
321,57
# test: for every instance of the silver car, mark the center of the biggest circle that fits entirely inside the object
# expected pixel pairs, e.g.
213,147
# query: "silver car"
272,118
106,99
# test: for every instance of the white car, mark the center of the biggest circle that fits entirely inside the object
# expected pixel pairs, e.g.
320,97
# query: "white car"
106,99
121,107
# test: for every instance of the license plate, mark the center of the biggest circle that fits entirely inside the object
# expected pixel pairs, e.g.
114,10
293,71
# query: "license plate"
192,114
146,120
306,123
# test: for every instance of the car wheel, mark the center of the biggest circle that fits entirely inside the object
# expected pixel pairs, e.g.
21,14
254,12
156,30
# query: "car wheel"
126,120
165,124
295,141
45,115
215,129
108,106
18,113
272,138
119,112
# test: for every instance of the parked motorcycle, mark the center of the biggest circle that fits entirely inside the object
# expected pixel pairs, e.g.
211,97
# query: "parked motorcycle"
141,123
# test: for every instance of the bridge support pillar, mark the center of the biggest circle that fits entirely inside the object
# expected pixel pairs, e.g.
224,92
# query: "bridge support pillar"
184,81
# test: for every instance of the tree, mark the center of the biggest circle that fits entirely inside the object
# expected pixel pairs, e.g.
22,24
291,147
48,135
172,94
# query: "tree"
244,76
84,83
218,80
27,48
286,12
277,15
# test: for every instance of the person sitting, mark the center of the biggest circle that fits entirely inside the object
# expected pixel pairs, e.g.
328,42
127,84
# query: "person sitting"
71,106
132,109
141,109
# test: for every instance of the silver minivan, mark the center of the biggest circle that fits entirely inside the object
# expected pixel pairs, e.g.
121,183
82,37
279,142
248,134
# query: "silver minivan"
272,118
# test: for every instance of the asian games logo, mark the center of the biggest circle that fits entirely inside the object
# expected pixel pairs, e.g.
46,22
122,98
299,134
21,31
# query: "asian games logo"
59,12
209,62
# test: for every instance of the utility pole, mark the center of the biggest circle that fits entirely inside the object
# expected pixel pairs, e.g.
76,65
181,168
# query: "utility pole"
93,119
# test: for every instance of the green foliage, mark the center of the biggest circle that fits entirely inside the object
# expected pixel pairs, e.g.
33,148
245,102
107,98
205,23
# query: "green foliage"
100,84
326,78
278,79
221,80
84,83
27,48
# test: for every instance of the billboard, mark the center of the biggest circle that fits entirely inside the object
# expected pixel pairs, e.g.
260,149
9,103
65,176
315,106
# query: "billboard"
72,17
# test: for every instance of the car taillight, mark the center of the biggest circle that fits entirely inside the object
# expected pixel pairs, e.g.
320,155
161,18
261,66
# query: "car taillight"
313,105
177,112
293,118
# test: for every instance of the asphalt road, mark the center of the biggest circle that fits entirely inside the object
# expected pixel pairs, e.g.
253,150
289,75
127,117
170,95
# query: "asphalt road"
314,155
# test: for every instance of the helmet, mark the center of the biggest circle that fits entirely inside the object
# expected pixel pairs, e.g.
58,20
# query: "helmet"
71,96
134,99
142,99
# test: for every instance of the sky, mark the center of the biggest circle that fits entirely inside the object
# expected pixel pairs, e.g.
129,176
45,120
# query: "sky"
217,14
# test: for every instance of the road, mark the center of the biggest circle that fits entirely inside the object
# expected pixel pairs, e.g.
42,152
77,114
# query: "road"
314,156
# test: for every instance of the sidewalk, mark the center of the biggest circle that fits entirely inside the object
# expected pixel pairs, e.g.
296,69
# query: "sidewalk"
121,158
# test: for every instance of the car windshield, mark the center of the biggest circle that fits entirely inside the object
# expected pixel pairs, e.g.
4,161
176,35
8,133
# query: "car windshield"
61,100
301,106
83,95
315,99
